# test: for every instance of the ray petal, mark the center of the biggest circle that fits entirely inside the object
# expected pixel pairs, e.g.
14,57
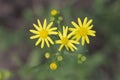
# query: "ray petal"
89,22
35,36
39,23
42,45
45,24
79,22
87,39
85,21
49,25
50,40
38,41
90,27
74,24
58,41
36,27
61,46
34,31
83,41
47,42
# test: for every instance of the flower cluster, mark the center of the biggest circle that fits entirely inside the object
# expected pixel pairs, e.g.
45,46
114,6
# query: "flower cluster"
68,38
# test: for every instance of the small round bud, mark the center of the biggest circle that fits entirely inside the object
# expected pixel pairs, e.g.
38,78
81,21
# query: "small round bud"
83,58
47,55
53,66
60,18
59,58
79,55
54,12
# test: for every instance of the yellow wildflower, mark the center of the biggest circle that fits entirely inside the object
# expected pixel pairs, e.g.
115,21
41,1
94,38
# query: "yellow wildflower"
53,66
82,30
66,41
43,33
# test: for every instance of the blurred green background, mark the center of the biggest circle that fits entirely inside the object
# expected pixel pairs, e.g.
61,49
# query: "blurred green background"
19,56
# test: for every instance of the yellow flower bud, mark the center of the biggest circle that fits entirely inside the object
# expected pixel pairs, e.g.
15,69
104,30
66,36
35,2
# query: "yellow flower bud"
59,58
53,66
54,12
47,55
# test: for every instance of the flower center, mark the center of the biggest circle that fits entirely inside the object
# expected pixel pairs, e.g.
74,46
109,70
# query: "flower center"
43,33
82,31
64,40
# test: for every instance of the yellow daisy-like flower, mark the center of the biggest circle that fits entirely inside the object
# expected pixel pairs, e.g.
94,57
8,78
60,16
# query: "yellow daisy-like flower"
66,41
43,33
82,30
53,66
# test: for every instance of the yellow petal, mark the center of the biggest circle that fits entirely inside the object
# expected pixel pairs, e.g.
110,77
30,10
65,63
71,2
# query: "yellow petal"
85,21
73,41
35,36
47,43
39,23
87,39
72,46
64,31
52,29
58,42
91,34
90,27
89,22
66,47
50,40
54,33
83,41
34,31
60,47
60,35
36,27
71,29
74,24
91,31
38,41
79,22
49,25
42,45
44,24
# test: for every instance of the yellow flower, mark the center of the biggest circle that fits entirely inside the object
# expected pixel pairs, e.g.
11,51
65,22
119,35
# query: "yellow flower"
66,41
82,30
53,66
43,33
54,12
